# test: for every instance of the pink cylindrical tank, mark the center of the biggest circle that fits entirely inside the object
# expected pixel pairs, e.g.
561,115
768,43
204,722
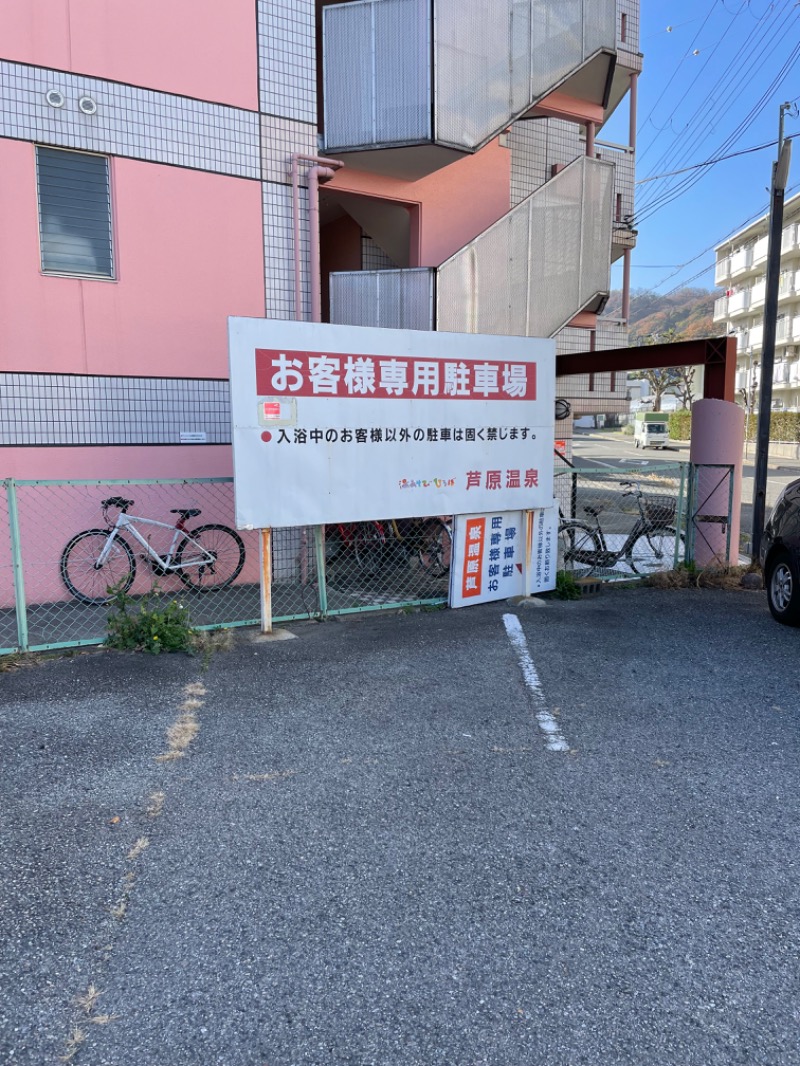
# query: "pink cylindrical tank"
717,441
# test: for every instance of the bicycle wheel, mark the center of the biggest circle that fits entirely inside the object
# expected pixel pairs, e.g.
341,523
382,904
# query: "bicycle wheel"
436,549
80,573
654,550
223,544
368,544
578,548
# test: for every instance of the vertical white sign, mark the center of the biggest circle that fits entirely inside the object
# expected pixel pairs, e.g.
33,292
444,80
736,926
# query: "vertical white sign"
495,555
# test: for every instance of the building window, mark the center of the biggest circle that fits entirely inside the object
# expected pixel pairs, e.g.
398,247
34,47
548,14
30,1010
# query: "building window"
74,213
623,28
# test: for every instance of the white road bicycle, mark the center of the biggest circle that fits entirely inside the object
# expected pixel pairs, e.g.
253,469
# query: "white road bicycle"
206,559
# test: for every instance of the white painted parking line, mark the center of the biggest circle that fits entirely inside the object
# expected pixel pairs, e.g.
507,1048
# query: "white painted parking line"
547,723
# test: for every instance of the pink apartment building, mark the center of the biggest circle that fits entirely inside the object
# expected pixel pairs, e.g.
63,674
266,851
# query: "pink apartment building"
147,155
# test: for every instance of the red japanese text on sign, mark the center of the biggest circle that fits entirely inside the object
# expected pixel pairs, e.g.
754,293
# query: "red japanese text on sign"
473,558
294,373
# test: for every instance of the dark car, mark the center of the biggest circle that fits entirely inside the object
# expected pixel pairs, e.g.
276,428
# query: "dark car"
780,557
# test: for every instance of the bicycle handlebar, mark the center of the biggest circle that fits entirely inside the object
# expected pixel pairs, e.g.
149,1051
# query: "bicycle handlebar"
117,501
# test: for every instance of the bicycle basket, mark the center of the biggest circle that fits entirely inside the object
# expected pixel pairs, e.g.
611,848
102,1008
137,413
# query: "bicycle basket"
660,509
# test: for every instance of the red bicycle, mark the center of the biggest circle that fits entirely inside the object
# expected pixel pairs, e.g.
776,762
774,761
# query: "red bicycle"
366,541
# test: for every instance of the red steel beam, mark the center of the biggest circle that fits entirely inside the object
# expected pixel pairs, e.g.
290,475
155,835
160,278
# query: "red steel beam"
716,354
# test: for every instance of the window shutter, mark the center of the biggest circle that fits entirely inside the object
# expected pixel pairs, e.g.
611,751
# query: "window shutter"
74,213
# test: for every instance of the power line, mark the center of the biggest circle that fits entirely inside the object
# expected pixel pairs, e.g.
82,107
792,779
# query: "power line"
711,247
711,162
752,52
671,193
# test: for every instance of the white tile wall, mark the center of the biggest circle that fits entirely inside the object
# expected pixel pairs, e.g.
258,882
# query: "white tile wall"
287,58
280,138
536,144
133,122
279,250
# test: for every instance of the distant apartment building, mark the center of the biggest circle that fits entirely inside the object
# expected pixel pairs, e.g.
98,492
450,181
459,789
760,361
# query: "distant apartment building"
159,172
741,271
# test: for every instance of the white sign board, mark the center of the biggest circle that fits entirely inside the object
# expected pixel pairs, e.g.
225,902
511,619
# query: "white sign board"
349,424
502,554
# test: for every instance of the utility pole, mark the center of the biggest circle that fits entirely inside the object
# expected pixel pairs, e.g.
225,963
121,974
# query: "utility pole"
780,174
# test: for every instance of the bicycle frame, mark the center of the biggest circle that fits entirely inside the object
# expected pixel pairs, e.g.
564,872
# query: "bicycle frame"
605,557
128,523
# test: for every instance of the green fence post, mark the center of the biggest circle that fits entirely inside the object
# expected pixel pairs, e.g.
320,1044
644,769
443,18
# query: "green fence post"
319,546
690,495
679,517
731,474
16,563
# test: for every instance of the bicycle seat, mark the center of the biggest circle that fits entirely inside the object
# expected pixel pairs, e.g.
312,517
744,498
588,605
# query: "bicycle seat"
117,501
593,511
192,513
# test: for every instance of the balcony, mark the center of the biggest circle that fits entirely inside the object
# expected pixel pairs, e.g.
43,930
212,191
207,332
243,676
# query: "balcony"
624,160
742,261
786,285
393,299
720,309
435,79
527,275
757,293
760,249
780,373
789,240
738,302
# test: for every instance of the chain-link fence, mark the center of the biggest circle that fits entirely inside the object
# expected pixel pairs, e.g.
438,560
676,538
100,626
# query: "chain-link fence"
622,523
178,536
58,558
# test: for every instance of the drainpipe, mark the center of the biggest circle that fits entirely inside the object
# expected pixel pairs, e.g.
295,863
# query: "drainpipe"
591,129
322,170
633,108
626,255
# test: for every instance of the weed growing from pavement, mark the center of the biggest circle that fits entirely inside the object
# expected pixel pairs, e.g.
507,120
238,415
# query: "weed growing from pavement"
88,1001
186,727
205,642
689,576
148,624
566,586
138,848
74,1041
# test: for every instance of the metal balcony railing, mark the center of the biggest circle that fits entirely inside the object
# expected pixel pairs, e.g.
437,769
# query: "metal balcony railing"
739,301
393,299
454,73
535,268
527,275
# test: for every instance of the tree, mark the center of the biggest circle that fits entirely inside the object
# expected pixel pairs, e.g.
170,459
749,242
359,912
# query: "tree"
685,385
679,378
659,381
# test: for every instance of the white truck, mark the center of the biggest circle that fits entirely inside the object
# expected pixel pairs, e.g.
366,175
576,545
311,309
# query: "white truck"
650,429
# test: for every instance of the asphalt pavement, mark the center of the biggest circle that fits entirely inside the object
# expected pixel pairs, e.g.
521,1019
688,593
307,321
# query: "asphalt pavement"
369,853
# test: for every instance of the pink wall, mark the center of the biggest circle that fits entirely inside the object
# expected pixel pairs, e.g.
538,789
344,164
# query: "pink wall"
456,203
53,464
189,252
200,48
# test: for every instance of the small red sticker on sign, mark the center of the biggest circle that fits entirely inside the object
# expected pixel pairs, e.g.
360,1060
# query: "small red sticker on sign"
272,410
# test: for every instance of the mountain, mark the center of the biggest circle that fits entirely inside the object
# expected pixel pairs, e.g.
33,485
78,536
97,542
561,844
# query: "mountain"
687,312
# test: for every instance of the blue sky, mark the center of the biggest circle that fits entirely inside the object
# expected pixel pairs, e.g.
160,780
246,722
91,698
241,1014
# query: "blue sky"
711,86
